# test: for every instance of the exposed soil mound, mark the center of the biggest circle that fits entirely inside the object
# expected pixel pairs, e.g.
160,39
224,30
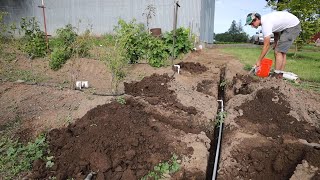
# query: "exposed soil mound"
154,86
116,141
206,87
194,68
269,133
277,161
155,90
271,111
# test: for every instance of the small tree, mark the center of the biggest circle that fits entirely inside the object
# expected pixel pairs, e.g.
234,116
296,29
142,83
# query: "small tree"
115,60
150,12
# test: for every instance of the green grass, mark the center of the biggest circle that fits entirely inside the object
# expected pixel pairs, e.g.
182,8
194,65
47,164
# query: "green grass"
25,75
306,64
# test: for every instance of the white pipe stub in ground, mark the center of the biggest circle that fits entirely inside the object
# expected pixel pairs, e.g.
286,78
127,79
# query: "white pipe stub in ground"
178,67
82,84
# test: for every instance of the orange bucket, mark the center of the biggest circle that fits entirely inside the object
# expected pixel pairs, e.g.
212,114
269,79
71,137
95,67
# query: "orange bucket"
264,68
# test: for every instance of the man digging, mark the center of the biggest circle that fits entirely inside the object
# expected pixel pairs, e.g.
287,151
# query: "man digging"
285,27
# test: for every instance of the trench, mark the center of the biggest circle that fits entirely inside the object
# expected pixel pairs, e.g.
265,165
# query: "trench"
215,137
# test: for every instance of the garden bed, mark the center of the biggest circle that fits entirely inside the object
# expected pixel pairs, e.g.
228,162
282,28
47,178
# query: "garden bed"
165,118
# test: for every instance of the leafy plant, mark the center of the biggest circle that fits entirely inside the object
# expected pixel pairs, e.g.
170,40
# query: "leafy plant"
220,117
16,157
161,169
223,83
157,54
121,100
132,38
116,63
34,43
81,45
58,57
66,36
183,43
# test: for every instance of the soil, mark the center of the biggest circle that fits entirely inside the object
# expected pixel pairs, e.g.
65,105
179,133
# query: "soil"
271,130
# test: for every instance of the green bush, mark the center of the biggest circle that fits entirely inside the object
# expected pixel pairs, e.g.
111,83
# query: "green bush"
66,36
157,54
132,37
59,56
63,47
34,43
81,46
182,43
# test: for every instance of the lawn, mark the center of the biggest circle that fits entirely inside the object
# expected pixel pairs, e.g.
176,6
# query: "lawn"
306,64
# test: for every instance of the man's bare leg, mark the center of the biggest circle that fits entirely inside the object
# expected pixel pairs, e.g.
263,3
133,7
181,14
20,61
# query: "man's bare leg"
284,55
279,60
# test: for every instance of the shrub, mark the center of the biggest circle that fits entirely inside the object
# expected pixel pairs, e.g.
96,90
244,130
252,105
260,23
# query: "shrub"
131,37
157,54
66,36
63,47
59,56
34,43
182,44
81,46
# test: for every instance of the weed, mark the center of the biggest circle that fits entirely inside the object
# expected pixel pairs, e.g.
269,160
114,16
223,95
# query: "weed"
223,83
161,169
121,100
16,157
220,117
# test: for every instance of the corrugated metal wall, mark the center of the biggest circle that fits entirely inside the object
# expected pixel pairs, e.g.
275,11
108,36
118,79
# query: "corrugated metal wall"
207,21
102,15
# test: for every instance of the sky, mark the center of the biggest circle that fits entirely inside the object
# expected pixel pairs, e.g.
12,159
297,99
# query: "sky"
228,10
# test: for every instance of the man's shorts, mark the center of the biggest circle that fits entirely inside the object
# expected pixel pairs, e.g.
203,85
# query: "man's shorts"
287,37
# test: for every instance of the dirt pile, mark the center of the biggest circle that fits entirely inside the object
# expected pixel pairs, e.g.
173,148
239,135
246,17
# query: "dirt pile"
193,68
125,141
265,136
116,141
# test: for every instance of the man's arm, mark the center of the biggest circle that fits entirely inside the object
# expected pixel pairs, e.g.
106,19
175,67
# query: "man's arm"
266,46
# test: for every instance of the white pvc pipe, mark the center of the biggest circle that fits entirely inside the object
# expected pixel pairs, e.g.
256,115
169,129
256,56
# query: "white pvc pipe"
214,174
177,66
